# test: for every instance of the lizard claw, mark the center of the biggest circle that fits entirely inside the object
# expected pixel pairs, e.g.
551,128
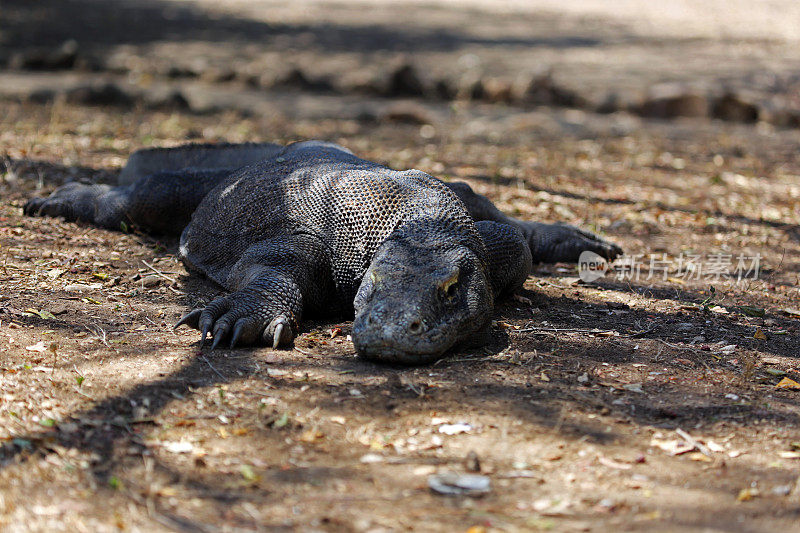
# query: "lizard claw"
243,318
205,327
279,332
276,337
191,319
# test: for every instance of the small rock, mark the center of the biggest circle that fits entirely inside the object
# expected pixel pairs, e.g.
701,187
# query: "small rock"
496,90
171,100
297,79
77,287
444,90
218,75
670,101
106,94
454,429
60,58
41,96
151,281
785,118
470,87
404,81
406,113
472,462
543,90
734,108
453,484
177,72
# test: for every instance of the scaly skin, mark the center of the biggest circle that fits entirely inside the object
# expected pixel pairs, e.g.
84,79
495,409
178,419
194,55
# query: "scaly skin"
313,229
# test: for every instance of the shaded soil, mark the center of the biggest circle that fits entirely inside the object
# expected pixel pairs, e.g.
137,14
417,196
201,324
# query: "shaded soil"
114,420
644,401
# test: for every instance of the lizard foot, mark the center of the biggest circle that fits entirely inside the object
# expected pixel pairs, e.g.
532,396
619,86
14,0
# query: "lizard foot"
244,318
562,243
70,201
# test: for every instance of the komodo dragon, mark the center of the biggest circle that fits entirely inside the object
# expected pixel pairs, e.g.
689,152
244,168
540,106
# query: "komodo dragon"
312,229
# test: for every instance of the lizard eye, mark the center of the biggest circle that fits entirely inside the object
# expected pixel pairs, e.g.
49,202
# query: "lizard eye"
450,285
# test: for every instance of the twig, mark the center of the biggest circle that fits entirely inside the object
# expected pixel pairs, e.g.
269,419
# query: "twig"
678,347
559,330
203,357
154,269
692,441
96,334
161,274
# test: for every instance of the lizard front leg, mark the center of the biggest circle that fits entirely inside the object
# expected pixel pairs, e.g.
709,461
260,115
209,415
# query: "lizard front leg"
274,282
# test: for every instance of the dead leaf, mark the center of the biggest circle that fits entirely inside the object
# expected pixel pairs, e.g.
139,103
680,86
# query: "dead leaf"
697,456
787,383
759,335
745,495
38,347
633,387
312,435
613,464
672,447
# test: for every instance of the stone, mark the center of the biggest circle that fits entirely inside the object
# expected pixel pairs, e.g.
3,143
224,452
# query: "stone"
735,108
672,101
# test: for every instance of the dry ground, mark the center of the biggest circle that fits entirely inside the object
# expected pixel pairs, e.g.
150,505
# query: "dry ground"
650,402
577,406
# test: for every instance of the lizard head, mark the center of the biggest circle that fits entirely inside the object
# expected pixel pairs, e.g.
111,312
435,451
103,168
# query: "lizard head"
418,299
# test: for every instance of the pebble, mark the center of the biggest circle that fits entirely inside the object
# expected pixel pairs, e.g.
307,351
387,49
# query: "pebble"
453,484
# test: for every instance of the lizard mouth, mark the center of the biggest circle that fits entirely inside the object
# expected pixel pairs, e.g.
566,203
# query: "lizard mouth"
397,337
390,352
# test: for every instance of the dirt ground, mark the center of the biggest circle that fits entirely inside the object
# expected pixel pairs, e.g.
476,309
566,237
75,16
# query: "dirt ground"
653,399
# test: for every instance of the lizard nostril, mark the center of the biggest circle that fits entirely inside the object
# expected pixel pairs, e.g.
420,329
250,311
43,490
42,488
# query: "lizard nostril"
415,326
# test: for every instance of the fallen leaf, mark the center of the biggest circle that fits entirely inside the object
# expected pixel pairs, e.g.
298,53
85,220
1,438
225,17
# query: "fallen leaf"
454,429
759,335
613,464
787,383
750,310
178,447
672,447
745,495
697,456
633,387
311,435
455,484
38,347
248,474
789,455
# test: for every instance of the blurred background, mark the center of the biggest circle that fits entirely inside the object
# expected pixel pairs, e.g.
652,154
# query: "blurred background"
734,60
